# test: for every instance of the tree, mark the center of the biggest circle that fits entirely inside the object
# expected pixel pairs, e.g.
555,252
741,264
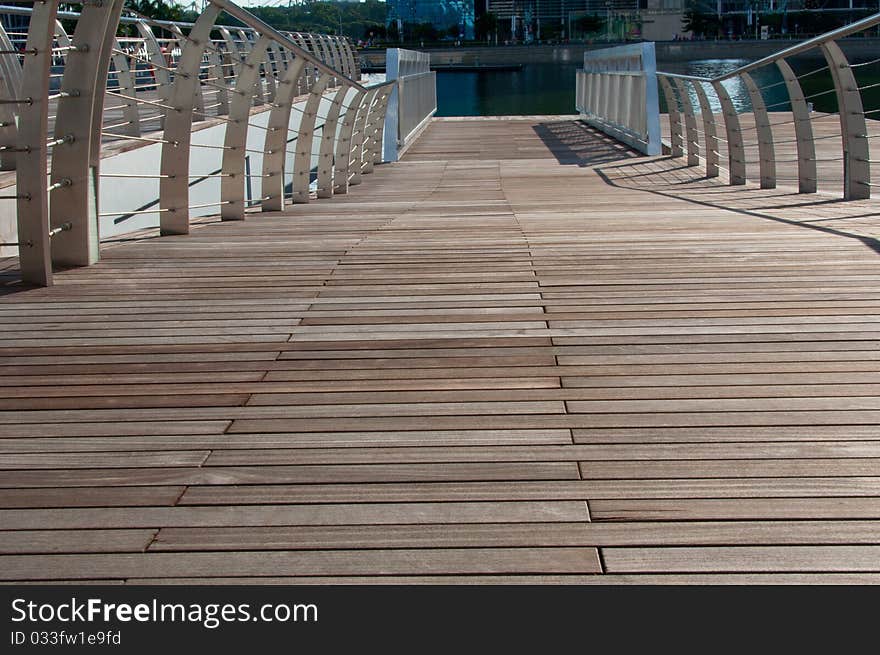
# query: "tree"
589,24
486,25
699,21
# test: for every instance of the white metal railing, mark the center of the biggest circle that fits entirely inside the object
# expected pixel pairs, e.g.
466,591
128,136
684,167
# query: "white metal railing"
413,101
707,126
616,92
185,118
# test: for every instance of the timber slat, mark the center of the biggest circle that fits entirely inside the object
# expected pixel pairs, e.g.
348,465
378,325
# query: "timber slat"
522,354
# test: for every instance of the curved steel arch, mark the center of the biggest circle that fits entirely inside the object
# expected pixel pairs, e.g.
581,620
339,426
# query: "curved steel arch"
328,139
766,154
275,148
690,123
853,129
302,161
32,216
342,166
232,185
78,121
803,130
736,157
710,133
174,167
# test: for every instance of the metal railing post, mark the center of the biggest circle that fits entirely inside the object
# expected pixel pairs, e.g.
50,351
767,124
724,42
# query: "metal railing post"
232,185
78,121
158,62
676,138
358,138
373,137
803,130
766,153
710,134
853,130
328,139
10,85
127,87
690,122
217,70
343,144
736,158
31,183
275,149
302,163
174,168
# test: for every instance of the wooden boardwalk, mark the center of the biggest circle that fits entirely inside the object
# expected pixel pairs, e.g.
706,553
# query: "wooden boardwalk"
522,354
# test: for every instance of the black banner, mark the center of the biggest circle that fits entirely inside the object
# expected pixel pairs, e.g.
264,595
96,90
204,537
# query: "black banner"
429,618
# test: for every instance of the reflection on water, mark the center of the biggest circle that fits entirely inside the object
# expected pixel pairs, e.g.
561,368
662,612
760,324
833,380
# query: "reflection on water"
549,88
535,89
767,78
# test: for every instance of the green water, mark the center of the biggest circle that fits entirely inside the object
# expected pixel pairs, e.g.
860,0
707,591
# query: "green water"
549,88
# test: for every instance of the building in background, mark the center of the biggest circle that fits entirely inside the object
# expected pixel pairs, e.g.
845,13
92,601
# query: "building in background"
527,21
446,16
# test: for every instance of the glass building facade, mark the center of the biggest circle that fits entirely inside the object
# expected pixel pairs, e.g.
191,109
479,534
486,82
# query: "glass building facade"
442,14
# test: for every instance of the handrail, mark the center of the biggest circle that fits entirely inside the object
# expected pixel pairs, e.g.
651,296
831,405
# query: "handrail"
680,92
260,99
809,44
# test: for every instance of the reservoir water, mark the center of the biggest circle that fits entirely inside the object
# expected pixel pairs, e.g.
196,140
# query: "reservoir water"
549,88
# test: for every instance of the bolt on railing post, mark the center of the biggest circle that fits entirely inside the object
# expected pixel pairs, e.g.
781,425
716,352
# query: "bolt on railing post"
710,133
302,163
690,121
676,138
803,130
174,168
736,159
328,139
78,120
232,185
766,153
34,253
275,148
853,130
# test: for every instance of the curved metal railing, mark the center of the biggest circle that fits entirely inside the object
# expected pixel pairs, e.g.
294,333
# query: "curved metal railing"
707,127
283,114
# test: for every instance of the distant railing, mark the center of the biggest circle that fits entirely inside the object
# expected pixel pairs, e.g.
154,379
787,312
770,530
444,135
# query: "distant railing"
282,114
705,122
617,93
413,102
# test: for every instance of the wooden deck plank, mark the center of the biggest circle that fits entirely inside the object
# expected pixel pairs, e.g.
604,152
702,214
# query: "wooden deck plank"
592,490
23,542
502,356
326,562
507,512
524,535
742,558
